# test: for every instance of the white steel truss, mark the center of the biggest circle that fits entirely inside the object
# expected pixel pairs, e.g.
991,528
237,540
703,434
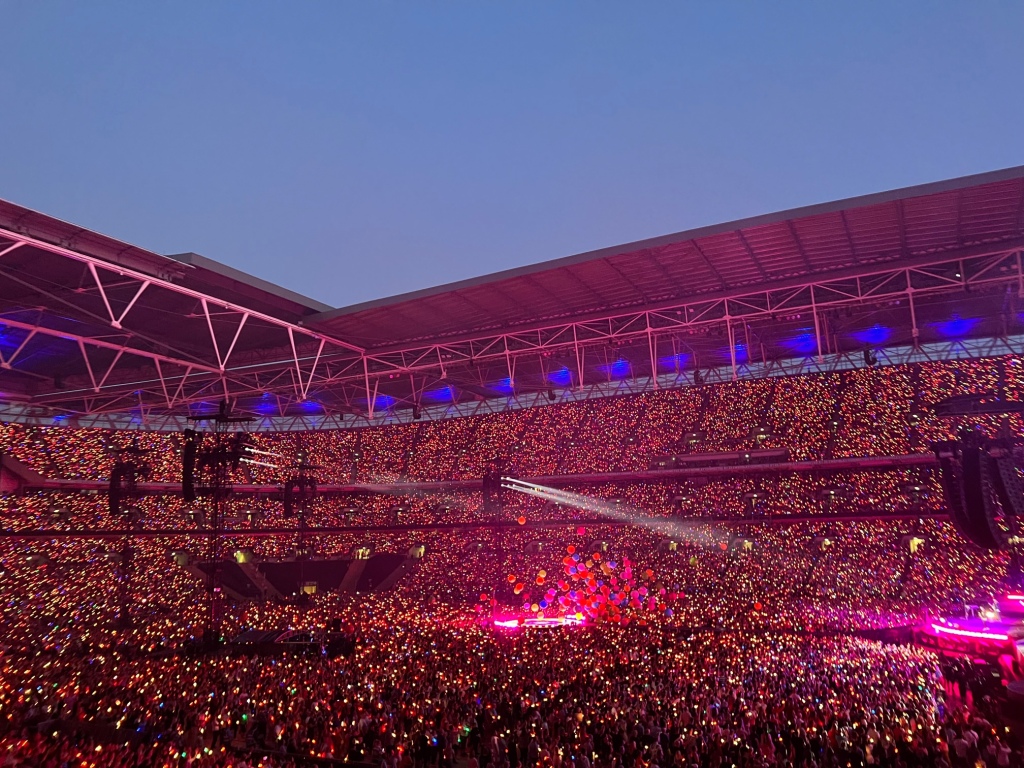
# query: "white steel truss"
131,372
99,323
958,270
142,418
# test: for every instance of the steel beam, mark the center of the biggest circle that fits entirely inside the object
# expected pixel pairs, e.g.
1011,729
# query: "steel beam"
170,381
775,521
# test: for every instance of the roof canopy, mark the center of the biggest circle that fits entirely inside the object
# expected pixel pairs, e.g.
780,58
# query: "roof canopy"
91,325
726,259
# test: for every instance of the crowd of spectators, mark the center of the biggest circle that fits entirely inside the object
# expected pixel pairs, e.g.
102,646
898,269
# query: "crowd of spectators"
428,687
736,498
741,674
881,411
745,647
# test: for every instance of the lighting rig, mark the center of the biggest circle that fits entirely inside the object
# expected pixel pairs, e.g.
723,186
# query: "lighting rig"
209,461
129,468
298,493
981,480
492,486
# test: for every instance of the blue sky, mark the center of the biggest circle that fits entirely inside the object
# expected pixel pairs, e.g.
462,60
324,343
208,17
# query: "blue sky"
355,150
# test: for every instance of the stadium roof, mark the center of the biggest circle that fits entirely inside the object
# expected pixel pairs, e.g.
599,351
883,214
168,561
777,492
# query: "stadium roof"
187,269
762,251
91,325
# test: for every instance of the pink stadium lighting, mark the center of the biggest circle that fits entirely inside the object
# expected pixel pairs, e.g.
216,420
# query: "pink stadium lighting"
968,633
543,621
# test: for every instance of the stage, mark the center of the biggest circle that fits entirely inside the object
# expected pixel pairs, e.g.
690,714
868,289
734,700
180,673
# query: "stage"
538,622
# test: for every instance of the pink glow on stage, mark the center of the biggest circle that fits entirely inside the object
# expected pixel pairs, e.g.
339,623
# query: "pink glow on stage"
541,621
969,633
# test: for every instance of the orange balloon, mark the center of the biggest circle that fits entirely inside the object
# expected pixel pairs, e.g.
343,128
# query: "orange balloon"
521,520
511,578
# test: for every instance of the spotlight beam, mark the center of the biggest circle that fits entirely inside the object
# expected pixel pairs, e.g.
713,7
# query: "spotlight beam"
689,532
244,460
250,449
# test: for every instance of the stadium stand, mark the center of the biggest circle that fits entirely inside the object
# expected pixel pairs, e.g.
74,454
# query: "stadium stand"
695,557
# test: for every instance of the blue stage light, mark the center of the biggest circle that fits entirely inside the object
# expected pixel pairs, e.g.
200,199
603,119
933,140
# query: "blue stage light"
505,386
956,327
562,377
672,362
617,370
443,394
804,343
874,336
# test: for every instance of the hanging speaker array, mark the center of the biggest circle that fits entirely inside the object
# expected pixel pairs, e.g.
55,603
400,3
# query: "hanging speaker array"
983,488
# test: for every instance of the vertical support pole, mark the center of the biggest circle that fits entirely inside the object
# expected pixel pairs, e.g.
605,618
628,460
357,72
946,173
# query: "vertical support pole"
142,411
732,346
543,377
817,328
509,366
369,394
650,349
914,332
579,357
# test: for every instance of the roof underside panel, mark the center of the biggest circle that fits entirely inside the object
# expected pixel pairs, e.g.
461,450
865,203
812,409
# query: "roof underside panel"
931,222
804,244
875,231
823,242
992,209
773,245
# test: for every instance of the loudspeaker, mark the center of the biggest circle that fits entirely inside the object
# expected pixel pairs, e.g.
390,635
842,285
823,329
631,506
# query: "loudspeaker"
114,493
975,498
188,464
298,491
969,478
